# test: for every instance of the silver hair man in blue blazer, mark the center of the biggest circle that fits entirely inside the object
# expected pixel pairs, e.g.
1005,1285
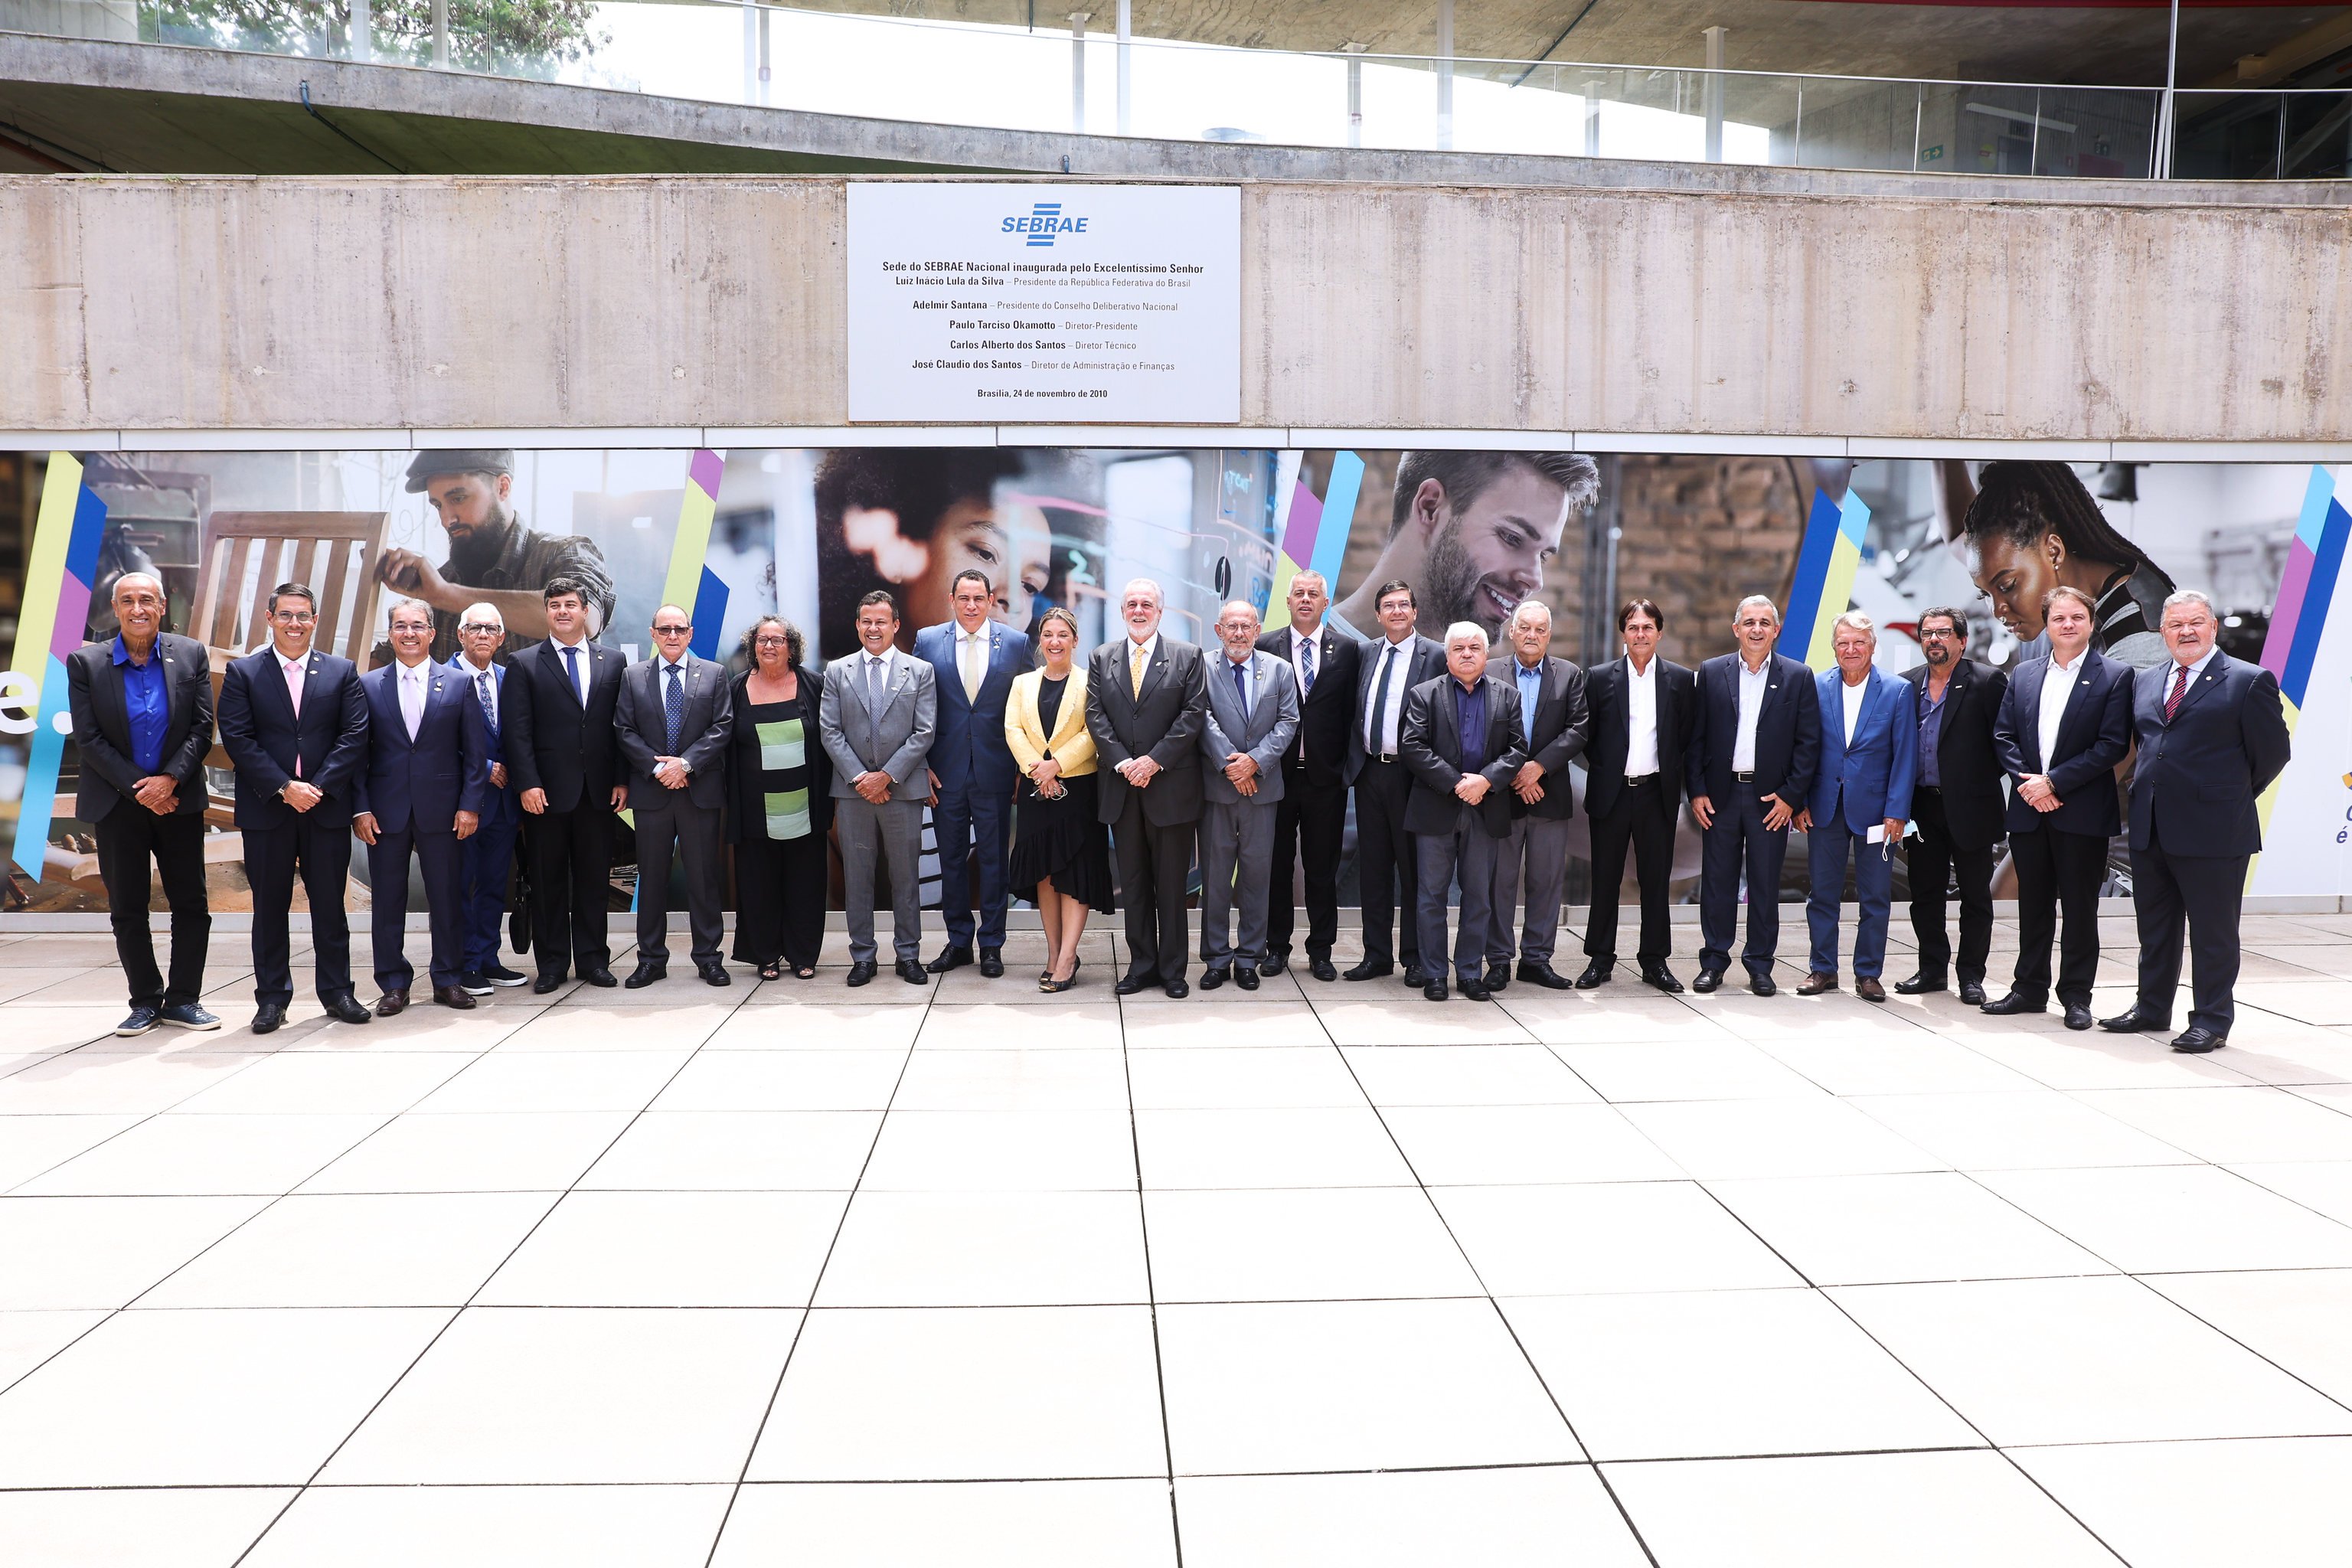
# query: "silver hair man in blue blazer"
1252,714
1869,760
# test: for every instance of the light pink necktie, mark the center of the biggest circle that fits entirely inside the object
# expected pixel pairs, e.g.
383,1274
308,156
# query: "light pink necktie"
294,695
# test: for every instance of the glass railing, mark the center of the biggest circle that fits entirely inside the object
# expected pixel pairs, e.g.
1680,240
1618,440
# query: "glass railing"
1075,80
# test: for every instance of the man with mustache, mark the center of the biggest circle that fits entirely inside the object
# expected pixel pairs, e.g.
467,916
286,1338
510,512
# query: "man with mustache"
1472,532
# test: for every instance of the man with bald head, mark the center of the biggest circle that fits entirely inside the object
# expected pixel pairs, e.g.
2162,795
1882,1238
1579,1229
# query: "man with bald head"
143,721
1253,713
674,721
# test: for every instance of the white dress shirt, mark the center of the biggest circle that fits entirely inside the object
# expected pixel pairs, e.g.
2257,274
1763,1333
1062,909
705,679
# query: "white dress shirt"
470,671
586,662
1851,692
1381,728
2056,687
1299,643
1641,720
1752,685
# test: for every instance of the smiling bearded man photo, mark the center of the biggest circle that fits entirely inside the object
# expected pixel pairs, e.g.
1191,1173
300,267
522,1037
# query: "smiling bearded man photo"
1472,531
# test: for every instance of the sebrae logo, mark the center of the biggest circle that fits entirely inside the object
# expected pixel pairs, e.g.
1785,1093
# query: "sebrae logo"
1042,223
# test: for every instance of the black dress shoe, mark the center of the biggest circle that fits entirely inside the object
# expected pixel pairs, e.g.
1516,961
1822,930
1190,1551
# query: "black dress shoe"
1596,974
454,997
992,964
1245,977
950,958
2197,1042
2016,1002
1761,984
1917,984
1368,969
2138,1021
1321,968
1413,975
1133,982
1708,980
1274,963
1211,978
1498,975
714,973
1538,972
2078,1016
142,1020
912,972
1434,991
188,1015
600,976
1972,993
1661,978
1475,991
268,1016
1177,990
345,1007
390,1004
647,971
550,980
862,973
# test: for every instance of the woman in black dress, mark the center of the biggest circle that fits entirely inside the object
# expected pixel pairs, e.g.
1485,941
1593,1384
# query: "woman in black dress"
778,805
1061,850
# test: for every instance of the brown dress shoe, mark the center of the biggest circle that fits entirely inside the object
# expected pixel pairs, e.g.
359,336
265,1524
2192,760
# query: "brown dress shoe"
1816,982
391,1002
1869,989
454,997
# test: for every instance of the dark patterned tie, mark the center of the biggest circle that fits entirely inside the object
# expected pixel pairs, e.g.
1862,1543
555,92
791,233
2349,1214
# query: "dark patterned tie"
2180,689
1307,668
490,705
675,707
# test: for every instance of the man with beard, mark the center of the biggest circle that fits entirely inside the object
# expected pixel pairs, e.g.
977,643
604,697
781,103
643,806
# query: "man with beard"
493,558
1957,803
1472,530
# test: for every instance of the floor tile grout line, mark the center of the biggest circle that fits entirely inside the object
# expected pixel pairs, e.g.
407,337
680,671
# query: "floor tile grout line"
1150,1283
816,1280
439,1334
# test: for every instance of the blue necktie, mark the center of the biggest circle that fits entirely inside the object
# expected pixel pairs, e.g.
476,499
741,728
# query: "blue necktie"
572,672
489,707
1307,668
676,706
1241,689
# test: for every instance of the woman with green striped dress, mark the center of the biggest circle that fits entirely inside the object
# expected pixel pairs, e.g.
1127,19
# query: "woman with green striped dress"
780,805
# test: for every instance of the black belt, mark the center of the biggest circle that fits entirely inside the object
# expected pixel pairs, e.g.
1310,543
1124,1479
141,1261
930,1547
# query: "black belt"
1634,780
1383,756
1928,789
1749,777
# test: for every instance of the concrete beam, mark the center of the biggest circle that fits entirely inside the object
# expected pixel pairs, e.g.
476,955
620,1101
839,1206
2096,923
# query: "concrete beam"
137,303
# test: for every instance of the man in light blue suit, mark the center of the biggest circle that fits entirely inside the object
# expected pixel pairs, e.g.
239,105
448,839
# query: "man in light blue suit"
486,862
1252,714
420,791
973,775
1860,800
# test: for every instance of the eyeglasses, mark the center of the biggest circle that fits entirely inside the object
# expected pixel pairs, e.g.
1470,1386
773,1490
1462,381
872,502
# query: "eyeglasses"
299,617
1924,635
772,642
672,631
473,627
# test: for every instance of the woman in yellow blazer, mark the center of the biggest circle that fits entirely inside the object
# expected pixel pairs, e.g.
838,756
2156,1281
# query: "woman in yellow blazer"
1061,852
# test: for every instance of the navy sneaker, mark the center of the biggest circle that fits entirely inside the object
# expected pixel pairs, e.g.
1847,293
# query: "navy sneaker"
188,1015
499,974
142,1020
474,983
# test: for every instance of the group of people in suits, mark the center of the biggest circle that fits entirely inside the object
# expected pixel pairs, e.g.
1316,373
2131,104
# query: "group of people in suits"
1040,767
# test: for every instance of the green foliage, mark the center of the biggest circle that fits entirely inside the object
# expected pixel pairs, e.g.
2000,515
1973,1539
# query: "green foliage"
481,32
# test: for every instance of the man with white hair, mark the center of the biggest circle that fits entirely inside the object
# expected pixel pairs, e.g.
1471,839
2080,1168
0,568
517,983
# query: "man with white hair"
2212,737
1463,745
485,860
1860,800
1555,722
1146,704
1253,712
1748,767
1311,819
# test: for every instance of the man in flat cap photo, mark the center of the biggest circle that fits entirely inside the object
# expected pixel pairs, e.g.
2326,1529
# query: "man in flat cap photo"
493,558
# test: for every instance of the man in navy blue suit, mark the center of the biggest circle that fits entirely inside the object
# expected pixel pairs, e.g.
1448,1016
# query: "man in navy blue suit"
1862,793
2065,723
2212,736
421,793
294,722
486,862
972,770
1748,767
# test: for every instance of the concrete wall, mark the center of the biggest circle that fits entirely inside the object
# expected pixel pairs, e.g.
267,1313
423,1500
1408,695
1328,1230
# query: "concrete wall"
156,303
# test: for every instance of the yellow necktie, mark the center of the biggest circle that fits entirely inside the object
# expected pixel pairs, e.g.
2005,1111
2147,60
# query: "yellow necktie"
1135,670
973,673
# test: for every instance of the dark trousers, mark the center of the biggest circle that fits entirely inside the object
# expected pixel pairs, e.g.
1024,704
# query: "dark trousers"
128,838
570,866
1154,864
698,836
485,869
1468,856
2205,891
780,893
1934,860
2058,872
1386,868
438,857
1740,842
1639,818
1309,822
320,852
969,821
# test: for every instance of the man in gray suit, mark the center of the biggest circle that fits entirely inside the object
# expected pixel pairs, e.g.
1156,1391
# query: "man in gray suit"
1253,713
1555,722
1146,707
676,718
876,717
1463,744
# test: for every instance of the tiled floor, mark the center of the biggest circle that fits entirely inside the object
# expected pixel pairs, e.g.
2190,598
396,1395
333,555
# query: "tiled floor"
1320,1275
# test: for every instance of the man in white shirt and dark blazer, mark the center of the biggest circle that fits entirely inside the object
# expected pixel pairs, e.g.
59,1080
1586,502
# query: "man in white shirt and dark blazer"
1388,873
1310,822
1643,711
973,661
1862,792
674,720
1555,724
485,860
1252,714
877,716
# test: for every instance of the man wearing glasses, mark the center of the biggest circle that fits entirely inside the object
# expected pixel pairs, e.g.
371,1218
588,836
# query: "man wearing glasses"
486,862
675,719
1955,804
